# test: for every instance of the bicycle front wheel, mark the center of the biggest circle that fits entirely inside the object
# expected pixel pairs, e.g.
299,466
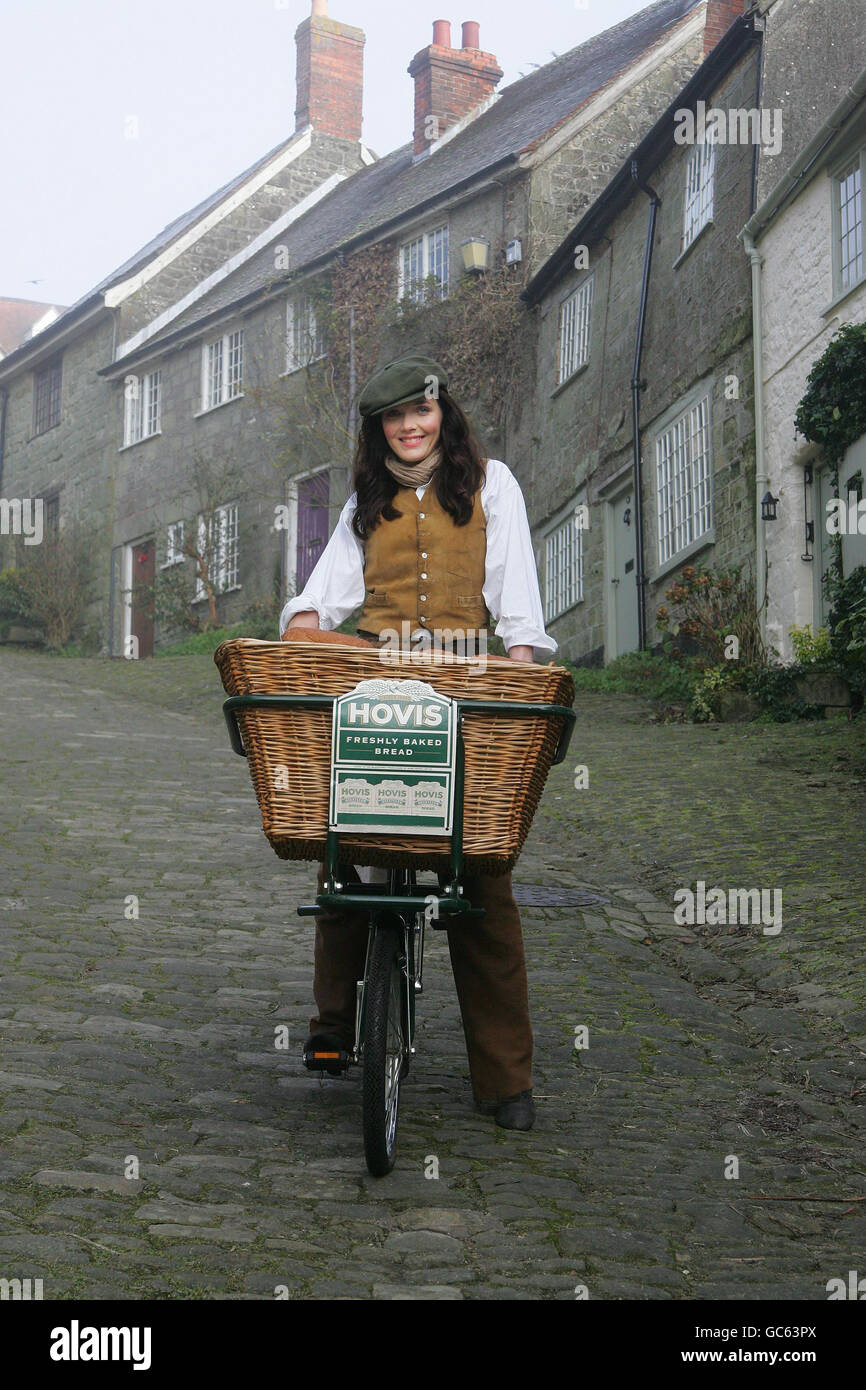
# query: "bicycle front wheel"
384,1049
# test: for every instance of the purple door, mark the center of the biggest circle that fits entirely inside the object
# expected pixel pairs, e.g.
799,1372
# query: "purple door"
313,494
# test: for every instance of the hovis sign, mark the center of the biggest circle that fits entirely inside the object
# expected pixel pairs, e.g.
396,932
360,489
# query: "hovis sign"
393,754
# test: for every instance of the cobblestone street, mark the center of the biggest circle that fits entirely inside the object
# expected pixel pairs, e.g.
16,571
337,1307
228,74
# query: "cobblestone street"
148,1045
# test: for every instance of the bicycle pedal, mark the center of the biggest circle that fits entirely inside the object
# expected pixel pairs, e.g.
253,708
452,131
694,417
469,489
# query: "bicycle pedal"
332,1062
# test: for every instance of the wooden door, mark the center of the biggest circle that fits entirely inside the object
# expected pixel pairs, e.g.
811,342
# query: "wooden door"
313,524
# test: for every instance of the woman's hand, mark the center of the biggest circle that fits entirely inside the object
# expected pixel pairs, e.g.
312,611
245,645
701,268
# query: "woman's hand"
308,619
520,653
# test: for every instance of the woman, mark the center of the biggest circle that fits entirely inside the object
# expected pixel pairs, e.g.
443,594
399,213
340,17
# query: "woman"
435,536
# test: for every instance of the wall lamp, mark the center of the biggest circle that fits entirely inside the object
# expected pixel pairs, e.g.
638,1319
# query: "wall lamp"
768,506
476,253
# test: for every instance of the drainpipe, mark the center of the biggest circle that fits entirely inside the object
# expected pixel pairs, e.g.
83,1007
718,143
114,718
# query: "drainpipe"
4,400
640,576
761,478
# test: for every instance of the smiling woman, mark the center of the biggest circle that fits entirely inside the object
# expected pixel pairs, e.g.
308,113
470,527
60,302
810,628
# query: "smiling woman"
435,537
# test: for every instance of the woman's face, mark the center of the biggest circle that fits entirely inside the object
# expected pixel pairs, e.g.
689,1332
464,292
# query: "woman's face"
413,430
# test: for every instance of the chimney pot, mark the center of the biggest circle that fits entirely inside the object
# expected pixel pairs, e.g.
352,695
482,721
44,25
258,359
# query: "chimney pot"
442,33
471,34
320,7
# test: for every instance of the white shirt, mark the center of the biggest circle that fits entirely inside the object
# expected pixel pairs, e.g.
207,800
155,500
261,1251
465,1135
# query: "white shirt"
336,586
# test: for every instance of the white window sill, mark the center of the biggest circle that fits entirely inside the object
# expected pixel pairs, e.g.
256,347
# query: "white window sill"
143,440
172,564
693,243
702,543
209,409
843,295
569,379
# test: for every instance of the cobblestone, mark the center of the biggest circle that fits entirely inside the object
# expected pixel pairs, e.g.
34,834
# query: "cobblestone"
152,1036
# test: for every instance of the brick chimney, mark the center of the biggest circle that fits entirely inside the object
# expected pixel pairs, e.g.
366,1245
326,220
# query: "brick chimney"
449,82
330,80
720,16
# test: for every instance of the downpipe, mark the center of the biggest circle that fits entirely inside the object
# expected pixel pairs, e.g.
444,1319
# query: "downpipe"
636,387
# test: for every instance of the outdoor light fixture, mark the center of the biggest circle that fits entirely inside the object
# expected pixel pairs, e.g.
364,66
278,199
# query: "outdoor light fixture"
476,252
768,506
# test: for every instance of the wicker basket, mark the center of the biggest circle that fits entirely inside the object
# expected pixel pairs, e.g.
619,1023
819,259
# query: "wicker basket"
507,757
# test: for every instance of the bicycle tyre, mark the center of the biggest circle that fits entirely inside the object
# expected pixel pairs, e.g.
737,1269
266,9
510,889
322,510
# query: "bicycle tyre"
384,1045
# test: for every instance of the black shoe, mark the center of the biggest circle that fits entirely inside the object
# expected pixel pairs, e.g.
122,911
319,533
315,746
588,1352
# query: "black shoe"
326,1052
516,1112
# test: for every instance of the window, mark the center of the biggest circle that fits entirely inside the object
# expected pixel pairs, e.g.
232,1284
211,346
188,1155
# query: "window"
305,342
420,259
222,369
51,505
683,480
700,178
575,314
218,544
142,414
46,398
174,545
563,568
848,226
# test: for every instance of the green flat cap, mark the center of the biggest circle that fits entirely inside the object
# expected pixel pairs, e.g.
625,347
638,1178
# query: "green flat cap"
406,379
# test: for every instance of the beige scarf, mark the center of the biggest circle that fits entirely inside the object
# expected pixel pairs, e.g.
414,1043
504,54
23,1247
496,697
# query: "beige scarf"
413,474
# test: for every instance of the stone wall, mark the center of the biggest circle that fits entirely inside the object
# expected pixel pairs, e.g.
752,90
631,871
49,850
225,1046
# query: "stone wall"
813,51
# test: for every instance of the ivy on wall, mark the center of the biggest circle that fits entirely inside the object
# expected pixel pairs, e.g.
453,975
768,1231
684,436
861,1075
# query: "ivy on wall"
832,412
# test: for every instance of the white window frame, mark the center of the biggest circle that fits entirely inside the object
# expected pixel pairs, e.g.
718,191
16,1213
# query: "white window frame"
223,559
575,328
684,476
142,417
564,565
699,191
173,545
222,369
305,339
854,166
430,252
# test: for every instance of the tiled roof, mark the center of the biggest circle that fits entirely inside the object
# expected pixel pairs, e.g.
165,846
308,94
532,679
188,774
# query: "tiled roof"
17,317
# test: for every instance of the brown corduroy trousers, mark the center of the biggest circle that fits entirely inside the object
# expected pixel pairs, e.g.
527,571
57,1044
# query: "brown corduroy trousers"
489,967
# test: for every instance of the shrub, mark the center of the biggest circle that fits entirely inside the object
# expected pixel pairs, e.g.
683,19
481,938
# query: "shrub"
714,605
811,648
847,623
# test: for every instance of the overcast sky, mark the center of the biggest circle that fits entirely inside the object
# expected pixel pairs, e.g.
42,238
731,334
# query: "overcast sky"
116,116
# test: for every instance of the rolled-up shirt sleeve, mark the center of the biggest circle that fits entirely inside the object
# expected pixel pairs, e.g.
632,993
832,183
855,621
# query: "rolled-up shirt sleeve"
336,586
511,589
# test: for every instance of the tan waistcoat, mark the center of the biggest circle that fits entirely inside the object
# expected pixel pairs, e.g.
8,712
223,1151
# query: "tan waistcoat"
424,569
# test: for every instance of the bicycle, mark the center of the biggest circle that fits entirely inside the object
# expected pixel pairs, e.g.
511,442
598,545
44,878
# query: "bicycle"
399,912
